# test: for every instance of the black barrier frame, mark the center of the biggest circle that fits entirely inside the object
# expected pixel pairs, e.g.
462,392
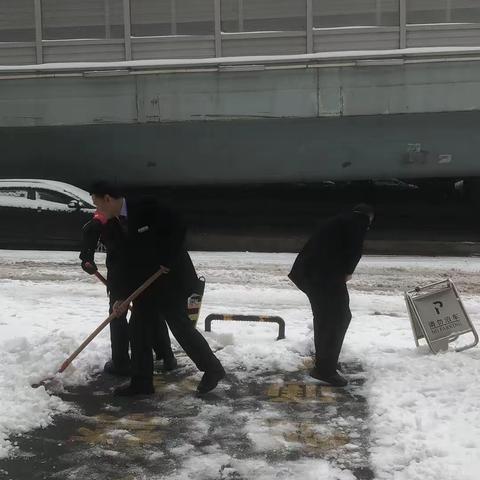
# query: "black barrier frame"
247,318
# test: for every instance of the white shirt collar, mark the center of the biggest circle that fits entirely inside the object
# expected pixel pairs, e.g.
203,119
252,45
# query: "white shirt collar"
123,210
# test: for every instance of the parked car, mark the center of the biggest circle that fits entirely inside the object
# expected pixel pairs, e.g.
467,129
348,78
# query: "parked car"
42,214
393,184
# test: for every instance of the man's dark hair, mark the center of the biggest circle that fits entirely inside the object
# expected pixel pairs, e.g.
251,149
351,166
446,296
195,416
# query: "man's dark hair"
103,187
364,209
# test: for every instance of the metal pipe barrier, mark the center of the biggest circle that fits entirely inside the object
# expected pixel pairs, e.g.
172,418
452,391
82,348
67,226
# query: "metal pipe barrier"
247,318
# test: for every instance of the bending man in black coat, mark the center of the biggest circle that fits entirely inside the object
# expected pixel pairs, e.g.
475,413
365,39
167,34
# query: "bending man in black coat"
149,237
97,230
321,270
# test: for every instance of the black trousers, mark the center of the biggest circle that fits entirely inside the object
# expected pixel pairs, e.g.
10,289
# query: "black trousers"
147,312
331,318
120,339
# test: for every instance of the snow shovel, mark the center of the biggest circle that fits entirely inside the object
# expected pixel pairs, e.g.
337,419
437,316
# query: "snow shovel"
123,306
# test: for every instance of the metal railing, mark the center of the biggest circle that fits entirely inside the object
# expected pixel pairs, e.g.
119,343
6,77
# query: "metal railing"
114,30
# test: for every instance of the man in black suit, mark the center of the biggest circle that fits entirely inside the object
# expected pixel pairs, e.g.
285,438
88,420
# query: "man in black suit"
96,230
148,237
321,270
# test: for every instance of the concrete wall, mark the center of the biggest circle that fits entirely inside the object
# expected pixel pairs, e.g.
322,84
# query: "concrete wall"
290,93
291,125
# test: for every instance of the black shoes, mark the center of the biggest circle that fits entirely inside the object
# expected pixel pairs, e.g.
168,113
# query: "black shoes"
210,380
135,387
169,361
170,364
120,371
333,379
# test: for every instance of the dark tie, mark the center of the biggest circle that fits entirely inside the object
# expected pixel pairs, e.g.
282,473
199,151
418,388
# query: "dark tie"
122,220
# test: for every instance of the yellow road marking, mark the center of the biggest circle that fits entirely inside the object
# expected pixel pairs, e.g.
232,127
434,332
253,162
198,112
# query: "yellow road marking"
131,429
300,392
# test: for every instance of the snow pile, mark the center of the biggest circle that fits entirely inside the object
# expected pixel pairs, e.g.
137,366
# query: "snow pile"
425,412
41,324
210,465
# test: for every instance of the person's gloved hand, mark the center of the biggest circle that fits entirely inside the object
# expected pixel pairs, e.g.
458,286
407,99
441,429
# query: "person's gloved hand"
89,266
117,308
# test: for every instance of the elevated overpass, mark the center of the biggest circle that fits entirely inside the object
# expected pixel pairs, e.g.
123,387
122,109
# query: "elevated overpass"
198,92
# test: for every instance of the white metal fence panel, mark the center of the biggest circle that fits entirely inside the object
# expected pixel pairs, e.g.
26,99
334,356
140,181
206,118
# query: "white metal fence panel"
83,52
17,21
74,19
19,55
263,44
443,11
332,40
173,47
443,35
349,13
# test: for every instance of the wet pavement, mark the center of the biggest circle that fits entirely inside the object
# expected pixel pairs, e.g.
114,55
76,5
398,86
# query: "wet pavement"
275,418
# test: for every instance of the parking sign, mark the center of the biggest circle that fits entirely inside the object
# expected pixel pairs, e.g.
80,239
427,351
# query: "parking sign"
438,315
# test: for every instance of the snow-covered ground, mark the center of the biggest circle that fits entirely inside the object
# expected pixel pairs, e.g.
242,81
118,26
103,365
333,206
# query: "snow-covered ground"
424,409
